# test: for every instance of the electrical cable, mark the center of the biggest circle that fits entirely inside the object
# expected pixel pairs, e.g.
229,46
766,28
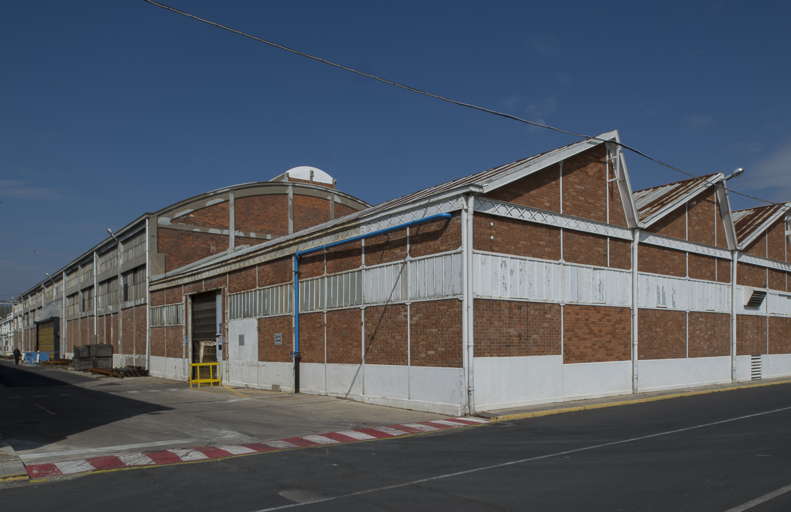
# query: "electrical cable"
442,98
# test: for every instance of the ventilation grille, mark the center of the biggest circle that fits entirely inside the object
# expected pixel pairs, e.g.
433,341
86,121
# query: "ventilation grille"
756,299
755,367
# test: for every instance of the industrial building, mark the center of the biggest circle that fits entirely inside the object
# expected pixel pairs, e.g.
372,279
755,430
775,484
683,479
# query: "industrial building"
542,280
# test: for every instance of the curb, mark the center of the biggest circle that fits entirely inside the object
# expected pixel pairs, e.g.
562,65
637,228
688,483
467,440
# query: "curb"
590,407
176,456
11,466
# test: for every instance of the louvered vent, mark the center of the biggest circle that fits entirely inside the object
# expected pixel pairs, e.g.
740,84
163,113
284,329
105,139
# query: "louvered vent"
756,299
755,367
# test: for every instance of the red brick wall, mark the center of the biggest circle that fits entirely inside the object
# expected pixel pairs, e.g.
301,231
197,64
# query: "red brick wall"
436,337
777,280
215,283
174,339
662,334
112,332
72,335
617,215
512,329
265,214
242,280
157,298
344,257
140,329
267,350
438,236
750,275
672,224
311,337
779,335
158,336
658,260
702,267
701,215
722,240
776,241
723,271
538,190
174,295
214,216
193,288
758,246
344,336
585,185
128,331
309,211
709,334
386,334
595,334
584,248
620,254
341,210
387,248
276,272
184,247
750,335
512,236
311,265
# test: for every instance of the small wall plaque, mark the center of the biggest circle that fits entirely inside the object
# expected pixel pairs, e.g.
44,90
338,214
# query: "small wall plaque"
241,340
278,338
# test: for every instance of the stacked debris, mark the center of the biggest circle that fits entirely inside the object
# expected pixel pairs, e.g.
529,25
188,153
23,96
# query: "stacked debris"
93,356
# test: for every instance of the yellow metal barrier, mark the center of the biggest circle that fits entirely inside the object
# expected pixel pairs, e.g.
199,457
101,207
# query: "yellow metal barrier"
213,371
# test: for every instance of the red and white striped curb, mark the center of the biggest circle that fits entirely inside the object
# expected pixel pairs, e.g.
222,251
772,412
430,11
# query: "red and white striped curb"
180,455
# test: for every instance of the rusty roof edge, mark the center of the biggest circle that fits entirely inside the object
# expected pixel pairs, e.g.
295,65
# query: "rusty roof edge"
702,184
782,209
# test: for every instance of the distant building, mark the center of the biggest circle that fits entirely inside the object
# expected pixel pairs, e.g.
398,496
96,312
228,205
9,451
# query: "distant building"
542,280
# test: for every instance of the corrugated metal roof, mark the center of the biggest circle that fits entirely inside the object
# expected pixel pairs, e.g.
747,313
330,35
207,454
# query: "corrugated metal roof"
749,221
652,201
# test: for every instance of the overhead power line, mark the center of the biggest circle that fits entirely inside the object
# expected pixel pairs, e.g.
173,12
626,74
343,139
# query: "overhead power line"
438,97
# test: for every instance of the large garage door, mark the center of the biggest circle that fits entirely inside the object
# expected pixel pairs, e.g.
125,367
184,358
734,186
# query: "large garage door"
204,327
47,338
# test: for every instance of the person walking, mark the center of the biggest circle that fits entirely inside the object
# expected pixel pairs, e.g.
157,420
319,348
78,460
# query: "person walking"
17,355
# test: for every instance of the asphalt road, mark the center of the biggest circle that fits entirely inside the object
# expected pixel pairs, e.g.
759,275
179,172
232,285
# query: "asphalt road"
704,453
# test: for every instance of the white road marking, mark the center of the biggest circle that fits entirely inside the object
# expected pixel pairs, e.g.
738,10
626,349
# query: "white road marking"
762,499
31,456
539,457
281,445
74,466
391,431
355,435
45,409
235,449
135,459
450,423
476,420
320,439
187,454
418,426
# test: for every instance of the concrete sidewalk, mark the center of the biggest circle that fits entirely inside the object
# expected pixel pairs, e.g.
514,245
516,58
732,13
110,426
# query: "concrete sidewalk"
535,411
50,414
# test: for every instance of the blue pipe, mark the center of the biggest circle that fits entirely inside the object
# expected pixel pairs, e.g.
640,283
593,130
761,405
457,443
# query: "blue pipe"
296,354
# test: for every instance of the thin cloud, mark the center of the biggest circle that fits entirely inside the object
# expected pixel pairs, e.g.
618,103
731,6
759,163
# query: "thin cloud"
540,110
771,174
699,121
545,45
23,190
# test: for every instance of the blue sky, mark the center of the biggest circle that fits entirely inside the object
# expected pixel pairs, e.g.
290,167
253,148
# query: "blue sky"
112,109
